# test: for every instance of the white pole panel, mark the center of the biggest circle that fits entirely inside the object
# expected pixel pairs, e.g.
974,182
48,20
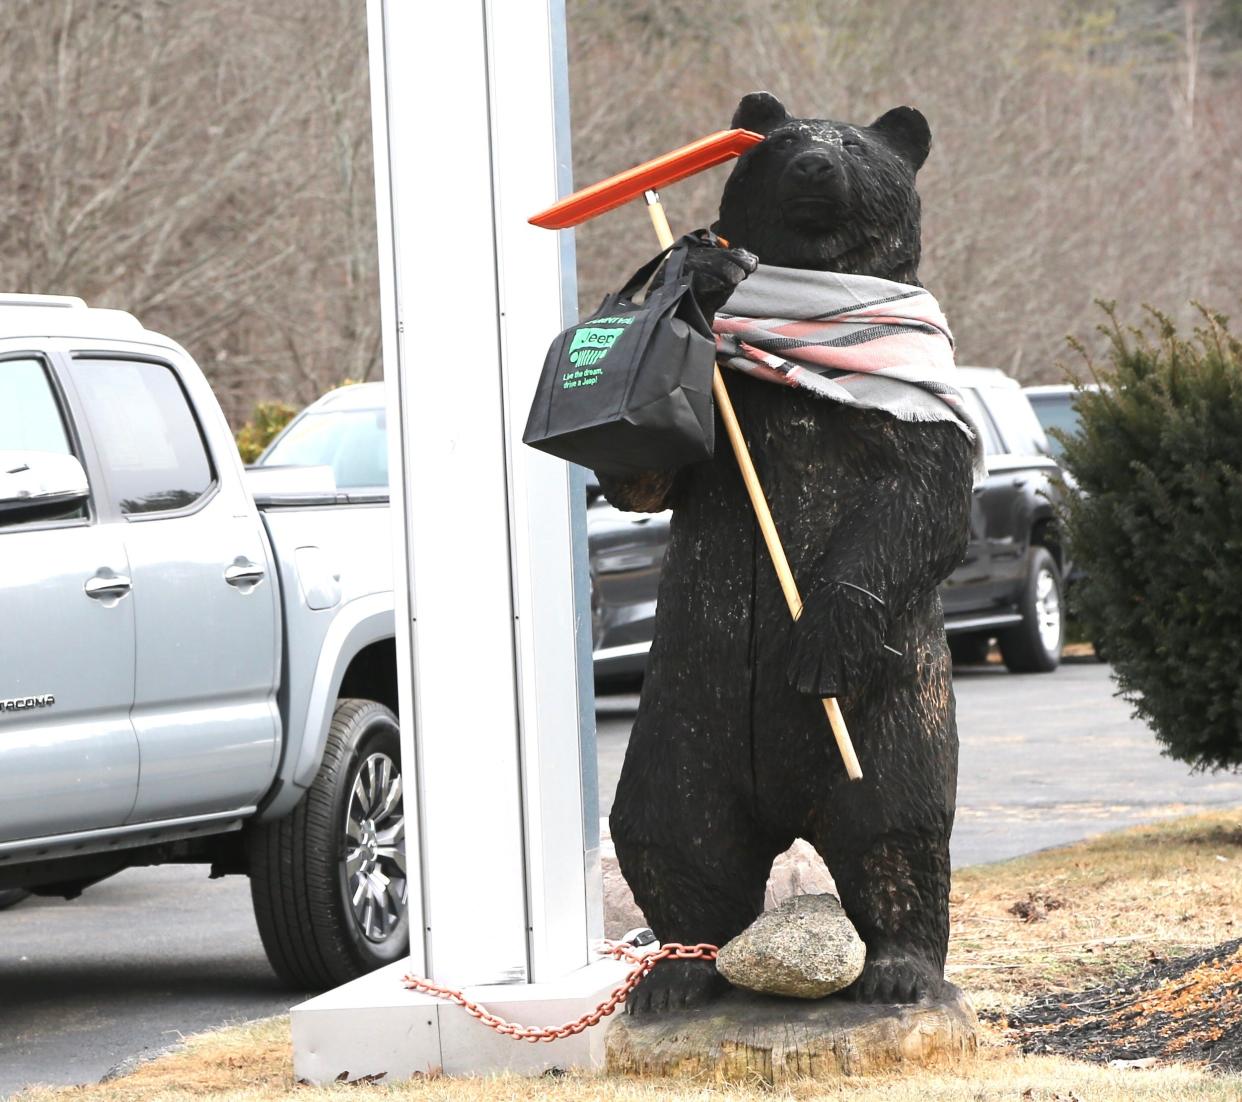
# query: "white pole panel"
525,157
464,733
495,726
391,346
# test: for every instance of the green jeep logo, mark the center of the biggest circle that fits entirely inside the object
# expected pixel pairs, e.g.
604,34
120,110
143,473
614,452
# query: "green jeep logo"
590,345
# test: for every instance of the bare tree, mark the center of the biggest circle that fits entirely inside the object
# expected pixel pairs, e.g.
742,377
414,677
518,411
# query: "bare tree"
207,163
164,161
1080,151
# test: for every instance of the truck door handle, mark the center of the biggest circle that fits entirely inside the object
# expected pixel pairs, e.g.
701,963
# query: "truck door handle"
103,586
243,572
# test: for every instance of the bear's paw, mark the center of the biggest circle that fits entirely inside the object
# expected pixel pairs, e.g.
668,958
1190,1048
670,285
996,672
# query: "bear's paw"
675,985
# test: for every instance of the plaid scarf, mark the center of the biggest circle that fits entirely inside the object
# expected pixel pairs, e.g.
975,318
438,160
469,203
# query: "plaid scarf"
852,339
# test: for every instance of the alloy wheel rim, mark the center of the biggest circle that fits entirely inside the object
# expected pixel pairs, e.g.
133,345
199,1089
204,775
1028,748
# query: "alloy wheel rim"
374,861
1048,611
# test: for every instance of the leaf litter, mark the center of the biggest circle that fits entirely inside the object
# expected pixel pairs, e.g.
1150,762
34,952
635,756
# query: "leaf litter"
1188,1009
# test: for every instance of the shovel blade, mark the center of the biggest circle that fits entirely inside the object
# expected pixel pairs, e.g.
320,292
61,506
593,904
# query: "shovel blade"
666,169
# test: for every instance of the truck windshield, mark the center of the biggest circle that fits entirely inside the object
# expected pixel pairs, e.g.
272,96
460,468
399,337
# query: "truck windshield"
352,442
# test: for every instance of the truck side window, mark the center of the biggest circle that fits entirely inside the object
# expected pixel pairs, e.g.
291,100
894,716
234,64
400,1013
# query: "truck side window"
149,441
30,419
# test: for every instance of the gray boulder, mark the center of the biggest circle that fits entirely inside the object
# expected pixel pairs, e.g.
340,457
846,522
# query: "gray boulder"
806,948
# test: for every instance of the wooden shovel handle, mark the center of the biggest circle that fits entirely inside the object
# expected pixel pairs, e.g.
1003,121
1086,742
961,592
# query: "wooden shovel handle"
776,549
763,514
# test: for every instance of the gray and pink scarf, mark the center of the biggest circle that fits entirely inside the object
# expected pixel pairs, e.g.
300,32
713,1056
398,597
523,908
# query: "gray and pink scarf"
853,339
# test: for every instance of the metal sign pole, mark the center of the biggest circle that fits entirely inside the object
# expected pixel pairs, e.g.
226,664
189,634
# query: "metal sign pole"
493,627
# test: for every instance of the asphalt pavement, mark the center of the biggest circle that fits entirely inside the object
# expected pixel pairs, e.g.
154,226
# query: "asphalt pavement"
152,954
1045,759
128,968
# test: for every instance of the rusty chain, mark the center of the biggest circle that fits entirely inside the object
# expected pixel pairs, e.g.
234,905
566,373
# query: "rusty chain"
643,963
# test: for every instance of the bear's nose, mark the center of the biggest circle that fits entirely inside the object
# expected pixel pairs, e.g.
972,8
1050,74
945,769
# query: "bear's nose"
813,168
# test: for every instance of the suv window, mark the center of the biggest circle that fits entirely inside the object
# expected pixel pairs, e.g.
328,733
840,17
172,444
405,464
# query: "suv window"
1018,424
30,419
149,441
983,420
1056,411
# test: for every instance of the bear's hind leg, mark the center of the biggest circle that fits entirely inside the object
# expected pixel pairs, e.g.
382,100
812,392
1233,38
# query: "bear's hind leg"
691,898
886,838
694,887
895,890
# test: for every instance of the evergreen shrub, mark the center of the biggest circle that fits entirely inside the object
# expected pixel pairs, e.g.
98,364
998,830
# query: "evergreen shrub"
262,428
1157,526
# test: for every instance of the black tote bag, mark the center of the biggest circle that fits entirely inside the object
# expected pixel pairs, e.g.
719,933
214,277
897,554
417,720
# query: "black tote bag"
629,389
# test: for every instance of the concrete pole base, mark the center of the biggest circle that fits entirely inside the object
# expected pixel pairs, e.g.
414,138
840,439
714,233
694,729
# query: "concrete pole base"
375,1027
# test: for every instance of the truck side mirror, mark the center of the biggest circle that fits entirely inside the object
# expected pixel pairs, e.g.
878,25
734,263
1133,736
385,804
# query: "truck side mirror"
39,485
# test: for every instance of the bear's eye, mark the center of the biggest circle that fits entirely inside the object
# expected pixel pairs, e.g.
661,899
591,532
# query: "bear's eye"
784,141
852,143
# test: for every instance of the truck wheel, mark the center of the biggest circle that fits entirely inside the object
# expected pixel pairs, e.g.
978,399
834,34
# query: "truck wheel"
328,880
969,650
1034,646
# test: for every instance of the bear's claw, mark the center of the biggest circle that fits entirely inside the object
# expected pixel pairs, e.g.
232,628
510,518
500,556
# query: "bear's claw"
675,985
896,979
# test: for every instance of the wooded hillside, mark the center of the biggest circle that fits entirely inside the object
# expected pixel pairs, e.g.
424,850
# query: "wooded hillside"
206,163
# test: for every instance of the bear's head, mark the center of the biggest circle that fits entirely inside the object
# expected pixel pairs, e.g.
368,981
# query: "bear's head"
827,195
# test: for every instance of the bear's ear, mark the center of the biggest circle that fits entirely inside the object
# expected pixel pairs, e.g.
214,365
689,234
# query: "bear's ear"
760,112
907,132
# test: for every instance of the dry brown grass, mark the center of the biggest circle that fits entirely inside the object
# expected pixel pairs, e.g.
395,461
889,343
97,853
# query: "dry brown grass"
251,1064
1118,901
1159,889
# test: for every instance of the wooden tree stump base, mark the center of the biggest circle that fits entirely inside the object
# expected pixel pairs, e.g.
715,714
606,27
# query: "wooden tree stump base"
743,1037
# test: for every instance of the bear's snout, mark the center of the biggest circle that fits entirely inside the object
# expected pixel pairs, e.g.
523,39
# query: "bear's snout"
813,191
813,169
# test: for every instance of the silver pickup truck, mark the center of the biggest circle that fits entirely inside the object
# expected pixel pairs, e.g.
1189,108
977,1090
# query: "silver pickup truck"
189,671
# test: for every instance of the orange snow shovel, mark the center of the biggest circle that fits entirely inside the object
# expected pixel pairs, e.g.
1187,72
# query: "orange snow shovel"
643,180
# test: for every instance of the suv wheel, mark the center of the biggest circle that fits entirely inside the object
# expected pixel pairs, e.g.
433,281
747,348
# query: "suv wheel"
1034,646
328,881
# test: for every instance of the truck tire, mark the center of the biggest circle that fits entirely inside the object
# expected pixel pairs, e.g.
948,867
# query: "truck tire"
1034,646
328,880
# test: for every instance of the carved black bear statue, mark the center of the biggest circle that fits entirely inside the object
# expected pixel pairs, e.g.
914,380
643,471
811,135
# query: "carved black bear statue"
731,757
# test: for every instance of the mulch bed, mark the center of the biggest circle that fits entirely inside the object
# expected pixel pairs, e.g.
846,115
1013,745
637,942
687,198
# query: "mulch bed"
1188,1010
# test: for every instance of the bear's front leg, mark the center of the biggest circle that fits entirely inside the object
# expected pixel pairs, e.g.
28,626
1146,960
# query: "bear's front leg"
837,640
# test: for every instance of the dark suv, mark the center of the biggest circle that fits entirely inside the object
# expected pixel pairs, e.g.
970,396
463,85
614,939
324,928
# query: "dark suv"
1009,587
